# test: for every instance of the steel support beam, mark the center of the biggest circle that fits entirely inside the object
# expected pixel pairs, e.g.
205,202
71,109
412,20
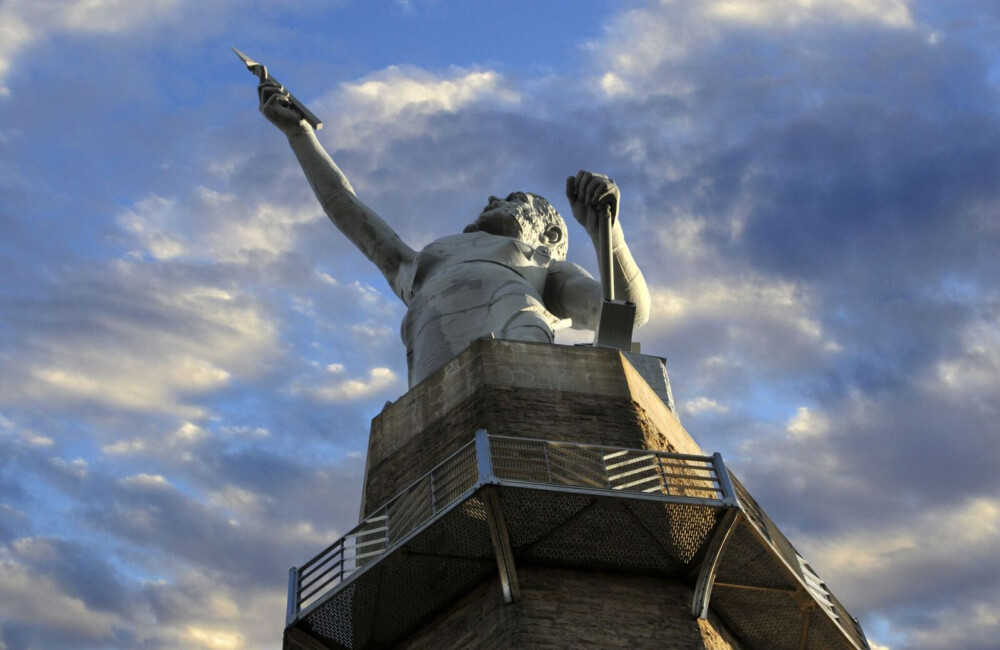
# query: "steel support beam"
806,620
779,590
501,545
706,575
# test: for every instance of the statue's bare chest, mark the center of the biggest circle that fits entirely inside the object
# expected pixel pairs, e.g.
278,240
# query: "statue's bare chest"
493,260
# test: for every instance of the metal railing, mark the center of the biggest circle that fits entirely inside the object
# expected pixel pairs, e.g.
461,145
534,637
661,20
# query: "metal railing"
813,584
639,471
508,460
398,517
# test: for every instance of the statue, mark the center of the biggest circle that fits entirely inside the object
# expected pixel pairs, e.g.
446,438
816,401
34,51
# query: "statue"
505,275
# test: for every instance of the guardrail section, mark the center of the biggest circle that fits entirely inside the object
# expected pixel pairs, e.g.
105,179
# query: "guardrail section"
400,516
508,460
796,564
640,471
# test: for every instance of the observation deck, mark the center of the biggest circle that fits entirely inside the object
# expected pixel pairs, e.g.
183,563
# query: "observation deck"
499,502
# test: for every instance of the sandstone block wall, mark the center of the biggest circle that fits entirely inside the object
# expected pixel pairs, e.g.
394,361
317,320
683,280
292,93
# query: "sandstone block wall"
571,608
529,390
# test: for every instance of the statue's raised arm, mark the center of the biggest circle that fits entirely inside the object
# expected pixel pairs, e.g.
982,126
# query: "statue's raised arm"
505,275
369,232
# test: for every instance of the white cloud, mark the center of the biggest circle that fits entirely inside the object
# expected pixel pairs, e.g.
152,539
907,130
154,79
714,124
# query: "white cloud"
753,309
30,598
379,380
15,33
703,404
206,613
208,225
880,565
154,481
612,84
974,372
77,468
188,610
306,533
237,499
977,625
145,344
188,433
366,293
388,93
716,296
245,431
214,639
807,423
124,447
376,333
40,441
791,13
23,22
396,102
641,40
685,238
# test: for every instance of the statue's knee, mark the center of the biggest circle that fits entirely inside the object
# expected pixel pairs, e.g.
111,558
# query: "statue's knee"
536,332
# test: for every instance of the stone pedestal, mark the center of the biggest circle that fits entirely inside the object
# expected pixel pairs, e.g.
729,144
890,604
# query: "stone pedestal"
530,390
539,496
573,394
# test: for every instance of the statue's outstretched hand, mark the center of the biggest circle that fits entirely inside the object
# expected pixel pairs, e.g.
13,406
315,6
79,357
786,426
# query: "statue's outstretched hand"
587,192
278,110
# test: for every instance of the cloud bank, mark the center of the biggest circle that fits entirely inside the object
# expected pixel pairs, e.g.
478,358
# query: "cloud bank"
191,354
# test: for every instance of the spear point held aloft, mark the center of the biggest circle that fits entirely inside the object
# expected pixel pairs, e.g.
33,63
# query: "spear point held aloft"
260,71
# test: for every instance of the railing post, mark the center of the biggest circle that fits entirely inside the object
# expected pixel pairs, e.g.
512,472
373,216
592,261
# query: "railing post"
433,499
292,608
728,492
484,460
663,475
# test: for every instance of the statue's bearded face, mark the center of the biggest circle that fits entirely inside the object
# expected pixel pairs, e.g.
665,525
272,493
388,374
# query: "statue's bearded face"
527,217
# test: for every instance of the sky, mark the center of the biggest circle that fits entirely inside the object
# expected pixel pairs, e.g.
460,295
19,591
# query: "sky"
191,353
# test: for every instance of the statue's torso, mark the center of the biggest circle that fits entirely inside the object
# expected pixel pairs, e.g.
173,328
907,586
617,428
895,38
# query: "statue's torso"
472,285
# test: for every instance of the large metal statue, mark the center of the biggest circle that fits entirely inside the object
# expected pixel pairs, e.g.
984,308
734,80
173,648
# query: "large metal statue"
505,275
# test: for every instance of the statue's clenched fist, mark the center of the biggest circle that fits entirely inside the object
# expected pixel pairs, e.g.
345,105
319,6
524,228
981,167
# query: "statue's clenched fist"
589,193
278,109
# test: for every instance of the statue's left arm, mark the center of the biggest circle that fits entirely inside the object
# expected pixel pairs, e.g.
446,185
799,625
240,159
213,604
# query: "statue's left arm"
570,291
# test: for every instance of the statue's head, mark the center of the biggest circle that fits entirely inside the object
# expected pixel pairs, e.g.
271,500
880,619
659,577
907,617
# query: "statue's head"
527,217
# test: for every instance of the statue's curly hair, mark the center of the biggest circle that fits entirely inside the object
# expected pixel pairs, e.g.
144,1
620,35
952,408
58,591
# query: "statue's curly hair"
546,217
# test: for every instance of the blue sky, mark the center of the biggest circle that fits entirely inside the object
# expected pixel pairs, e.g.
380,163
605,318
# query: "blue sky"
191,353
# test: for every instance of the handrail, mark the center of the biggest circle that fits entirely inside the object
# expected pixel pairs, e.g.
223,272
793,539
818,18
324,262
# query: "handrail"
639,473
795,563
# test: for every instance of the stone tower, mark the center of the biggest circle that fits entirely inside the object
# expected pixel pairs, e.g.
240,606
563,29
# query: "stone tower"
541,496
